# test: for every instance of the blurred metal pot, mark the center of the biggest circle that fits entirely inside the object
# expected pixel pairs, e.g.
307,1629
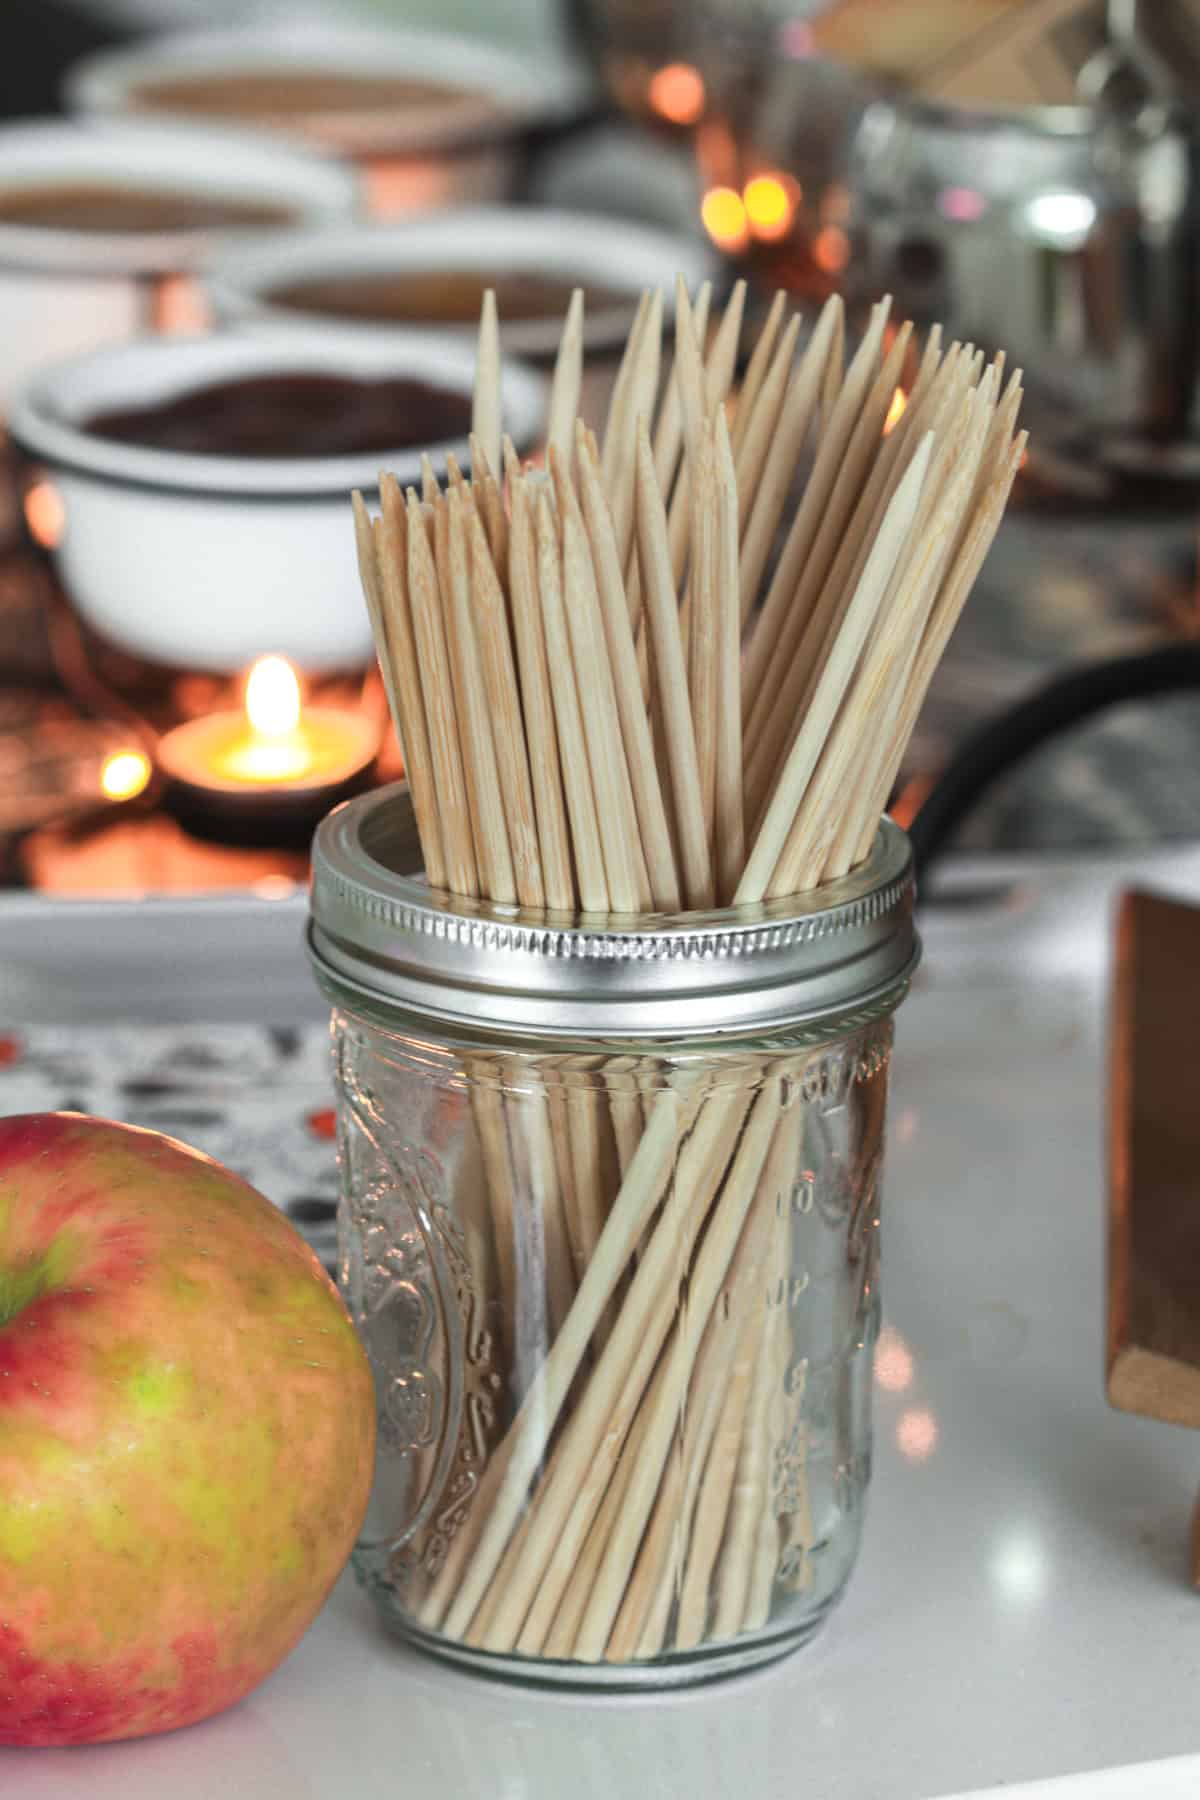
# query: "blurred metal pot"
1071,237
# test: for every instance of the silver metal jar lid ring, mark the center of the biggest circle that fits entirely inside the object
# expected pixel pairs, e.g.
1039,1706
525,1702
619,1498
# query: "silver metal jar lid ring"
380,932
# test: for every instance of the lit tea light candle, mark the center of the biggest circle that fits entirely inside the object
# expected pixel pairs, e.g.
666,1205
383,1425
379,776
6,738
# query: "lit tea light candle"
233,773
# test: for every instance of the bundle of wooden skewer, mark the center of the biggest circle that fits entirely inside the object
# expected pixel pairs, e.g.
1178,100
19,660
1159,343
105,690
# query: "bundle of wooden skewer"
635,684
603,701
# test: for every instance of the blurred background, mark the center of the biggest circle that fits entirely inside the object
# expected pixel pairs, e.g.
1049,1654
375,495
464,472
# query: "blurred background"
241,255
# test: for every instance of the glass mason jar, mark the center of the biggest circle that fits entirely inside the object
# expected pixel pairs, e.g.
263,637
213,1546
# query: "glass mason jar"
609,1230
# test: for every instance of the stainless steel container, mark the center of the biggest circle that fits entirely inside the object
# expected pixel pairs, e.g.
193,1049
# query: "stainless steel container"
1069,235
609,1229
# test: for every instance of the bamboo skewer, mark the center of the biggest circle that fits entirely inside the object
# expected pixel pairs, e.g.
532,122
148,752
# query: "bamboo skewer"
729,850
668,435
859,401
896,632
935,393
754,445
829,500
491,502
475,716
716,378
614,433
371,577
633,398
716,1487
710,1269
793,427
624,865
455,1595
720,362
444,754
794,694
668,445
504,705
568,379
388,598
817,723
635,727
593,1170
648,1175
689,368
672,681
488,1108
835,368
756,369
473,753
561,1639
640,1625
705,626
534,1121
626,1109
567,1502
751,1525
970,558
541,731
577,780
486,409
751,1551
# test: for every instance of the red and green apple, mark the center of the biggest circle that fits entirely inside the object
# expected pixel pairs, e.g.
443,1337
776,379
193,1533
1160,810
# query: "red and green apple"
187,1426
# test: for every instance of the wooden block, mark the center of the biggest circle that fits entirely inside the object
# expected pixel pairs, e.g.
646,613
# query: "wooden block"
973,52
1030,58
1154,1163
905,41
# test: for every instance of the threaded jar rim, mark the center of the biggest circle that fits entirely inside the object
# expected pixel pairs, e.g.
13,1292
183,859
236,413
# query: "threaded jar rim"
836,955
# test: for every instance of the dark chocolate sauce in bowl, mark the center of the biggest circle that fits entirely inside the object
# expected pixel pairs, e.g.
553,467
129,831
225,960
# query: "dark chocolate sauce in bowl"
97,207
439,296
292,414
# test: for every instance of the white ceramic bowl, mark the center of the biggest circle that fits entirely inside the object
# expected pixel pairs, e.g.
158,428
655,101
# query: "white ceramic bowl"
451,151
66,291
619,256
206,562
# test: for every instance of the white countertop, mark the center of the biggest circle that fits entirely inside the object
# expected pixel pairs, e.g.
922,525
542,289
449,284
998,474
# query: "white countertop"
1021,1611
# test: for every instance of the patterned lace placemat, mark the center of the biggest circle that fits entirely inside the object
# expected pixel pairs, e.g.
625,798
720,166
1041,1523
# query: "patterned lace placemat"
258,1098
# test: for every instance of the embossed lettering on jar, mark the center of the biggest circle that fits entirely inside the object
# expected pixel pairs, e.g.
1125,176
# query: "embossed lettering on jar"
610,1231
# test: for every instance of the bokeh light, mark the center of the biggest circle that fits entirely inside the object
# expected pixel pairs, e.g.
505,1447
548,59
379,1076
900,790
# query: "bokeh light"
917,1434
676,93
125,774
893,1362
831,249
724,214
45,515
895,411
771,201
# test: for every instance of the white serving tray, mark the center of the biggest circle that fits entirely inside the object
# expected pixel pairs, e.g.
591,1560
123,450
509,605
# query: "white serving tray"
1021,1612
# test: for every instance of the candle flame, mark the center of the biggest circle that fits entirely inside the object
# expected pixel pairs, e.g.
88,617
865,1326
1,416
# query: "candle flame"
895,411
125,774
273,697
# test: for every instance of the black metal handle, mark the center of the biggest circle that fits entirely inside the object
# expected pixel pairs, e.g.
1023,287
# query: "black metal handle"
999,744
